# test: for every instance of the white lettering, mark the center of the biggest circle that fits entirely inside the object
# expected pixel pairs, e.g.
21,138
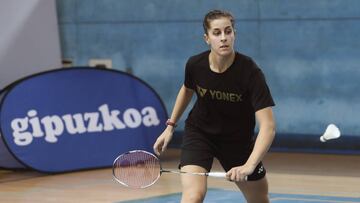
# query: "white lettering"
150,117
77,127
51,127
19,126
93,124
35,124
110,119
132,118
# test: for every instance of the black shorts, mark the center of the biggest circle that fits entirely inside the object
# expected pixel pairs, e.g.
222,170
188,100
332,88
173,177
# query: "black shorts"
200,149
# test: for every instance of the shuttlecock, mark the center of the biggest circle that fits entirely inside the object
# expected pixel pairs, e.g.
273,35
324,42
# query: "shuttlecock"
331,132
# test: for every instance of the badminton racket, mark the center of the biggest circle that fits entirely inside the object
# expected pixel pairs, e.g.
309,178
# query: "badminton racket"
141,169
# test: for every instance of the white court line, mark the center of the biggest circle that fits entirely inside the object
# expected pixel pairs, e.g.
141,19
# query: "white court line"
309,200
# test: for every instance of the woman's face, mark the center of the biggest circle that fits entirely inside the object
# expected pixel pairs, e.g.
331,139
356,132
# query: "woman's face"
221,36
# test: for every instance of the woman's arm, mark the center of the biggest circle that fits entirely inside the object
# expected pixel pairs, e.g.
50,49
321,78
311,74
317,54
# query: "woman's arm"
265,137
182,100
263,142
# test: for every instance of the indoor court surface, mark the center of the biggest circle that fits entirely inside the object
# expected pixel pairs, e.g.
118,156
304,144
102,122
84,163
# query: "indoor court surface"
293,177
84,81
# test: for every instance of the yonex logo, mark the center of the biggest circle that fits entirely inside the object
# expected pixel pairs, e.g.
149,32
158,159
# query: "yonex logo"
261,169
52,126
201,91
219,95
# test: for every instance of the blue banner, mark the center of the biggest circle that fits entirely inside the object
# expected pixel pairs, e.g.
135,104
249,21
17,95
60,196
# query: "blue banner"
79,118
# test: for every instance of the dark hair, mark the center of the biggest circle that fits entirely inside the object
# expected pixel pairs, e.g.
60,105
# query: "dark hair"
216,14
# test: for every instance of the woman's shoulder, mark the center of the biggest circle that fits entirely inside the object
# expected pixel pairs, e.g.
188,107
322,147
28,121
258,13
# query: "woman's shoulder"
246,62
199,58
244,58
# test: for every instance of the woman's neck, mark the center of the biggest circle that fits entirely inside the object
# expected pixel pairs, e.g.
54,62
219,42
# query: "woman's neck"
220,64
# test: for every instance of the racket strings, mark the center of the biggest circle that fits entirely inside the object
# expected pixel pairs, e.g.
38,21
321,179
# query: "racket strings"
137,170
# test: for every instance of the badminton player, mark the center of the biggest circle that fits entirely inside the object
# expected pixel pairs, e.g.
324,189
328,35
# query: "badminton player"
231,94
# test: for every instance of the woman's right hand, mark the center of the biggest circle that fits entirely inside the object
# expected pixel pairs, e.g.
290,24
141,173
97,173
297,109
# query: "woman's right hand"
163,140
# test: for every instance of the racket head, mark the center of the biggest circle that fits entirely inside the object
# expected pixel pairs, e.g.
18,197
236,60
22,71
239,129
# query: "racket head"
136,169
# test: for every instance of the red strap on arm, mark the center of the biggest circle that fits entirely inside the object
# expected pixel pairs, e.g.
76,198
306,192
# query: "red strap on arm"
170,123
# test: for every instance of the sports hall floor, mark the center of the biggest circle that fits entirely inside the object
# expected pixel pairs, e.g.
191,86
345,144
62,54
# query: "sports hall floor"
293,177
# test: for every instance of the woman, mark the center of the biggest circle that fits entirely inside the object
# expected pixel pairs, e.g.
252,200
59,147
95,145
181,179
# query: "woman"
231,93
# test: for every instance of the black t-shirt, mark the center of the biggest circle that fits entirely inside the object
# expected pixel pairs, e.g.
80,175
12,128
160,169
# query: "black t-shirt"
226,102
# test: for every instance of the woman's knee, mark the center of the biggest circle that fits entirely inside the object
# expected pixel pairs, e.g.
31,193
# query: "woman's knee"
261,198
255,191
194,187
193,196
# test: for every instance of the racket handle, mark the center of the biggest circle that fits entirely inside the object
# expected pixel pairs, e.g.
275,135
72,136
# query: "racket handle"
221,175
217,174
